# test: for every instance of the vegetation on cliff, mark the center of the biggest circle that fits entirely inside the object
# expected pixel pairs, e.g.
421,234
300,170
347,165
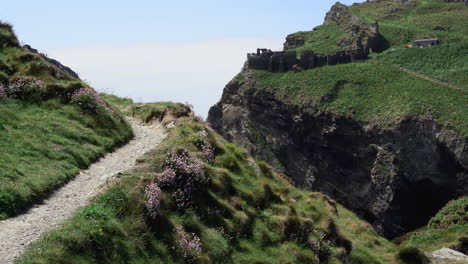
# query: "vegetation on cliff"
448,228
378,91
372,92
51,126
182,204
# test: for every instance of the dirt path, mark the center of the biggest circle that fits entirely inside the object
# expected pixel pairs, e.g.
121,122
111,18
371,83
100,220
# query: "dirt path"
425,77
18,232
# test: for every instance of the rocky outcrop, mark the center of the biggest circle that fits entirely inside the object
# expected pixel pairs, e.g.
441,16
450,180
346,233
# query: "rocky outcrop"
395,179
446,256
55,63
360,34
293,42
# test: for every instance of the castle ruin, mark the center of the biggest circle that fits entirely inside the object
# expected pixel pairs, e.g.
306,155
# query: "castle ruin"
283,61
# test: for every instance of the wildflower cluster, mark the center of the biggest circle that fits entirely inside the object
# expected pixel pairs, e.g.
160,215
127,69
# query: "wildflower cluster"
189,177
153,199
167,177
207,149
208,153
22,87
189,245
202,133
2,92
87,98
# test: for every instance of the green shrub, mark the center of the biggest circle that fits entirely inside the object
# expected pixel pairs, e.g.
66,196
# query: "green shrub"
412,255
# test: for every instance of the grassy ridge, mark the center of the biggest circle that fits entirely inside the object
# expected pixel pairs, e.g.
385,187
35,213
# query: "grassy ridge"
246,213
322,40
446,229
370,92
45,138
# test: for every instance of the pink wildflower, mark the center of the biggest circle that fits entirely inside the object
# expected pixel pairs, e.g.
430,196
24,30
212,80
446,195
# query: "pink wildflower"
87,98
153,199
208,153
189,246
2,92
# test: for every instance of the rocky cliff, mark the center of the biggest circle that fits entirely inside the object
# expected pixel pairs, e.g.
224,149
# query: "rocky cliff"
395,179
357,34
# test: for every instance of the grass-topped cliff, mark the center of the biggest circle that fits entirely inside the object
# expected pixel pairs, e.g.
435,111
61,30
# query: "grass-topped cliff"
51,125
385,136
229,207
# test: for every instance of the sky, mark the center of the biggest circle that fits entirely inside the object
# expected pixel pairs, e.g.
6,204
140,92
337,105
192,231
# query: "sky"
152,50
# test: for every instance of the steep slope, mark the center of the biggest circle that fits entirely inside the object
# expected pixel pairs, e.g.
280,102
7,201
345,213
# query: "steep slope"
18,232
51,125
199,199
386,143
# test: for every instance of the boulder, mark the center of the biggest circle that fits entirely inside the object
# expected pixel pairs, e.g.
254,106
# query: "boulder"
446,256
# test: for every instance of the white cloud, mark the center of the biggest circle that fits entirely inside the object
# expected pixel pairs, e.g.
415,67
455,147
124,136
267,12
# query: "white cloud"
194,72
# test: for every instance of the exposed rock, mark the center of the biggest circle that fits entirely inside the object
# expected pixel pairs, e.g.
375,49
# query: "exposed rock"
293,41
56,63
360,35
446,256
396,179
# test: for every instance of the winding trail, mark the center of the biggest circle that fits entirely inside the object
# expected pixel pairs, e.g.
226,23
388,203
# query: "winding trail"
425,77
18,232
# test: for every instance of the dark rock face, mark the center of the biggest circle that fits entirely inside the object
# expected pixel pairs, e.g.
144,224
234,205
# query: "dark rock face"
395,179
293,42
56,63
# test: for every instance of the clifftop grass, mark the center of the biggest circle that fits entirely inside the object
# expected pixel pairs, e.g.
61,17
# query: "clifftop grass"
401,24
324,39
45,137
371,92
245,213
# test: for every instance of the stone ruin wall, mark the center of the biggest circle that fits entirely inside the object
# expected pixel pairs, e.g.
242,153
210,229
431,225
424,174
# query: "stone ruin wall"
283,61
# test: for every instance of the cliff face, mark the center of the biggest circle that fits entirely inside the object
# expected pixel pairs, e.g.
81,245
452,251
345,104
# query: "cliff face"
357,34
395,179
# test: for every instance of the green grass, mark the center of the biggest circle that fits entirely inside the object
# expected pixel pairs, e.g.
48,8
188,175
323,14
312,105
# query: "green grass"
370,92
400,24
445,229
240,217
44,145
324,40
447,62
44,139
147,111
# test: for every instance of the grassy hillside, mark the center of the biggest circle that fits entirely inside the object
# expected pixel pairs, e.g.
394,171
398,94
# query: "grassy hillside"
446,62
324,39
446,229
401,24
217,205
371,92
51,126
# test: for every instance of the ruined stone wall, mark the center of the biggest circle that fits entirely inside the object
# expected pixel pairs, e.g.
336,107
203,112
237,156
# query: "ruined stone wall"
283,61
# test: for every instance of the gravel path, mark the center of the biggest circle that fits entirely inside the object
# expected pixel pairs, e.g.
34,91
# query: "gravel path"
18,232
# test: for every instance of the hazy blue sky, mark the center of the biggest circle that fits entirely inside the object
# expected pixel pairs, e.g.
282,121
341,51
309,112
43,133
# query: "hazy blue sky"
160,50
